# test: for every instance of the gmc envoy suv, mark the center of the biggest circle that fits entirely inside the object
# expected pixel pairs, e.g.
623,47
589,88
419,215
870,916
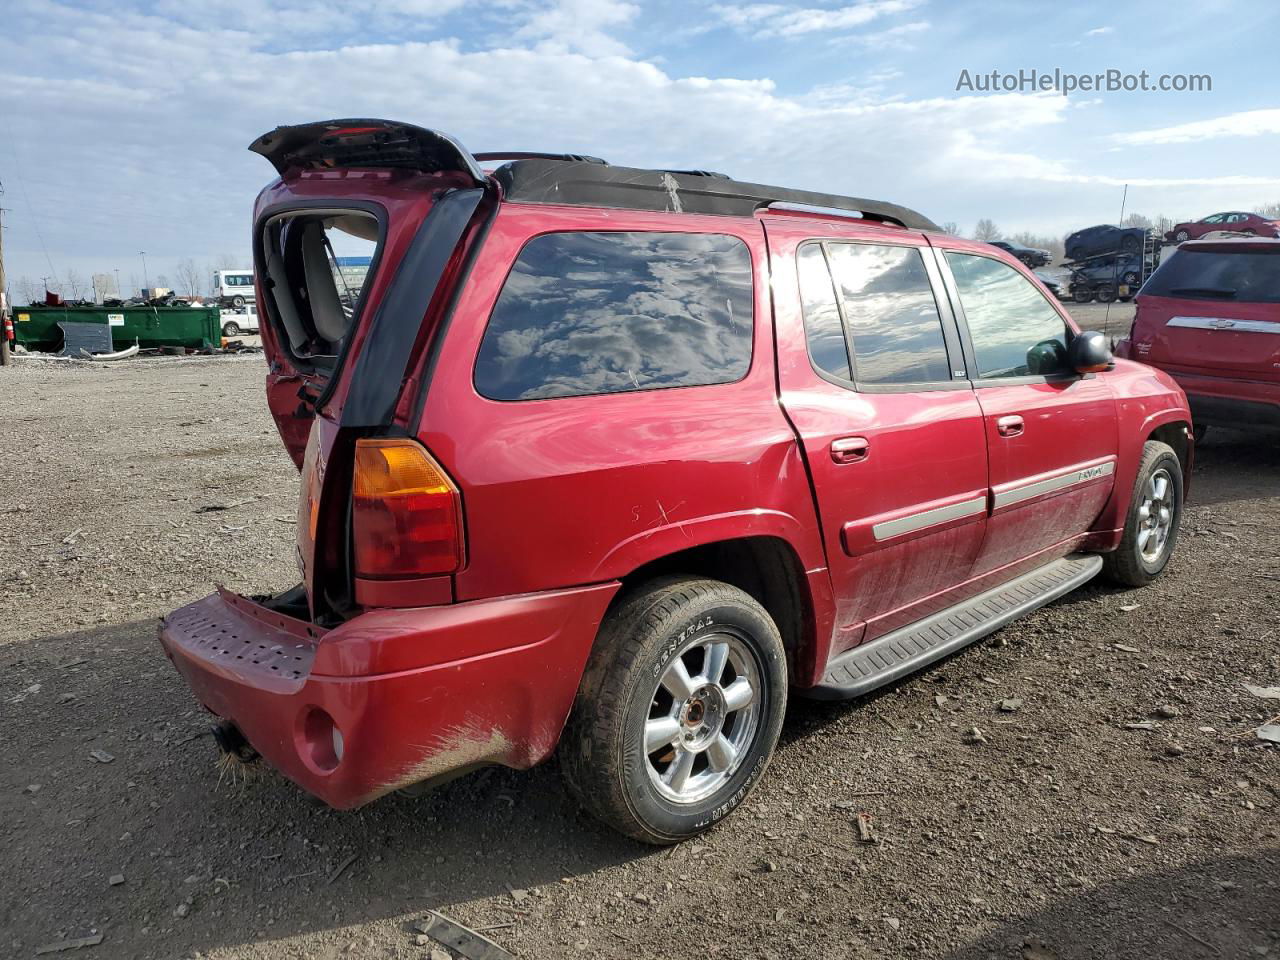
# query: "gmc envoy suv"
607,462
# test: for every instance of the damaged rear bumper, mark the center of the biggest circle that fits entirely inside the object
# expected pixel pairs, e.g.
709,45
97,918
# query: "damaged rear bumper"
392,697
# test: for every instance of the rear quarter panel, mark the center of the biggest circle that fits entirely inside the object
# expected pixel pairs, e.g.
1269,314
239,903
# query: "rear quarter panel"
576,490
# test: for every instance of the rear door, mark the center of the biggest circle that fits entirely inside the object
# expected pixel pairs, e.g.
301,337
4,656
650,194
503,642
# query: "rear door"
872,380
1214,310
1051,434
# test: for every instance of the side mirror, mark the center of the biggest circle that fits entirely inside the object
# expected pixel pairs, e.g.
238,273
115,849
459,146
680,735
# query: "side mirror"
1089,352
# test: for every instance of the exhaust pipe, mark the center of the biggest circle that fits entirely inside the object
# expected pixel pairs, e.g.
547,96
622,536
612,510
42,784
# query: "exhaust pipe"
232,743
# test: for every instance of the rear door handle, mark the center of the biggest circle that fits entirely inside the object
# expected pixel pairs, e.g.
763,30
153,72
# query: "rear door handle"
850,449
1009,426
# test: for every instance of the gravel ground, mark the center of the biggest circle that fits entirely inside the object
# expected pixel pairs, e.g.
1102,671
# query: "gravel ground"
133,488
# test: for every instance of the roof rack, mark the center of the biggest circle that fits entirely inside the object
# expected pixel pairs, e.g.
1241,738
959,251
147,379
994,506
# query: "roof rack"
603,185
534,155
561,178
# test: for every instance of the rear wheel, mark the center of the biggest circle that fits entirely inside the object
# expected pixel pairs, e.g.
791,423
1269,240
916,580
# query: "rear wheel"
1081,294
231,329
1106,294
1151,527
679,709
237,302
1181,235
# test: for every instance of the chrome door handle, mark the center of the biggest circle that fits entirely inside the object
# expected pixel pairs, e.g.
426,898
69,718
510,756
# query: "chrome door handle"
850,449
1009,426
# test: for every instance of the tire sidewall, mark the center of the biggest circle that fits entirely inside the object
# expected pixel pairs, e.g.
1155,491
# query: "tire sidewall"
1169,461
661,817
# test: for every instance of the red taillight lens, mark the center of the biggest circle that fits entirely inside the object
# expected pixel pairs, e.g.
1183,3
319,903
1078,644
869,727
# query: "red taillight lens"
406,516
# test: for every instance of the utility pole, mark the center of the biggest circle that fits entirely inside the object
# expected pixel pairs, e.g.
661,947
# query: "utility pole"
146,282
5,313
119,293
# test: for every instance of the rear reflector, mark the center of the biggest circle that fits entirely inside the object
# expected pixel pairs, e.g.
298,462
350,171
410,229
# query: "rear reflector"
406,517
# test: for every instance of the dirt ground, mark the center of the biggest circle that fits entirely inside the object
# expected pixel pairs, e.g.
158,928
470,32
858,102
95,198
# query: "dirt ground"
133,488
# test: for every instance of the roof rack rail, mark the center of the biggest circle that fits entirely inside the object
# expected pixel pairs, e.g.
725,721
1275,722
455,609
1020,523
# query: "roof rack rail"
600,185
701,173
534,155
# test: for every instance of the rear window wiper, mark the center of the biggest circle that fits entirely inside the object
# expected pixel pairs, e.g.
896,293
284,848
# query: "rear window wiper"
1220,292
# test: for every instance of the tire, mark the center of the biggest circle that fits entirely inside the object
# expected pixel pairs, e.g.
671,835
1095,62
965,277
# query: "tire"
1132,564
231,329
1106,294
237,302
1130,279
1181,235
1081,294
624,699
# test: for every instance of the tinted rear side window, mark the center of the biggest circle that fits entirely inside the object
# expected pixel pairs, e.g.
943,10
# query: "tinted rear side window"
892,316
822,327
589,313
1247,276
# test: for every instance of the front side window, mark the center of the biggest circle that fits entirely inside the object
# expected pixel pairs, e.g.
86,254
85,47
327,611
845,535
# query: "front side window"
891,314
1014,329
591,313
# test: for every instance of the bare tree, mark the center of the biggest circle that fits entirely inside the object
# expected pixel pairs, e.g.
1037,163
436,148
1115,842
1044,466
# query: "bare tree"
74,283
986,231
1138,220
189,277
1040,242
28,289
226,261
951,228
1269,210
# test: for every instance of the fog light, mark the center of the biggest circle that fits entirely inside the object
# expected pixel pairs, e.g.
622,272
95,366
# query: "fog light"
320,741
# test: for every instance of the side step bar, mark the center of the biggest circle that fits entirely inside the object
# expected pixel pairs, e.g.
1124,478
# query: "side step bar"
886,659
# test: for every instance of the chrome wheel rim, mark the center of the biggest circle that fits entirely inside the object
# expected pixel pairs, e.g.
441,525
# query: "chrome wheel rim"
1155,516
703,716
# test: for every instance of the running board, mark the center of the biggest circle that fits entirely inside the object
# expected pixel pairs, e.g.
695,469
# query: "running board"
887,658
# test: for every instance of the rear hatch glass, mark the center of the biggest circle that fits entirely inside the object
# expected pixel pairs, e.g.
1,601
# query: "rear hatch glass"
1214,309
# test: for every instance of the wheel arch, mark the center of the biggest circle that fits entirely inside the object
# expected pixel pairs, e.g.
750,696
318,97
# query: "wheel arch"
767,568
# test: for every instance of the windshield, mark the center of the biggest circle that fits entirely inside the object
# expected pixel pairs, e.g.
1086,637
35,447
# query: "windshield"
1251,276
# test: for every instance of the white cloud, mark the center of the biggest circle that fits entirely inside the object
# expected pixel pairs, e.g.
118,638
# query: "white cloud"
580,26
1099,31
1249,123
775,20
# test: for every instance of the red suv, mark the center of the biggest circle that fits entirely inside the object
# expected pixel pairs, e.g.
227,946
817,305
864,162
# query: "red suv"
1210,316
614,459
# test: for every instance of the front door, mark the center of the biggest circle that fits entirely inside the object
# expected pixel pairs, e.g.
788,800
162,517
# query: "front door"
1051,433
872,379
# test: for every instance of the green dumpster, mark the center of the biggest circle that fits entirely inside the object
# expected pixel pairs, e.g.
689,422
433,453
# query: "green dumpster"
36,327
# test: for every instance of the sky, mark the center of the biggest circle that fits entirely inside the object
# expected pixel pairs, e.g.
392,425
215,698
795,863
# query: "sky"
124,126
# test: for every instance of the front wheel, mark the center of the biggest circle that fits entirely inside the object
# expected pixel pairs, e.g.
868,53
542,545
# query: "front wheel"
231,329
1151,526
679,709
1182,236
1106,294
1081,294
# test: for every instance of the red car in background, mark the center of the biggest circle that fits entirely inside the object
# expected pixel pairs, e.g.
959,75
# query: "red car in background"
1235,221
1210,316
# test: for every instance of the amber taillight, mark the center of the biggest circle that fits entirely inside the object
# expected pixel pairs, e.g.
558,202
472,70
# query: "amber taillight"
406,517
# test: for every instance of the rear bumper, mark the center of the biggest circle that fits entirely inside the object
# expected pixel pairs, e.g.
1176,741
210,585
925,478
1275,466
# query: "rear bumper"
415,694
1229,402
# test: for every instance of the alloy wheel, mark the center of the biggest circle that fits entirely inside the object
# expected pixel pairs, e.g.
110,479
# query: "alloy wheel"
1155,516
703,714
